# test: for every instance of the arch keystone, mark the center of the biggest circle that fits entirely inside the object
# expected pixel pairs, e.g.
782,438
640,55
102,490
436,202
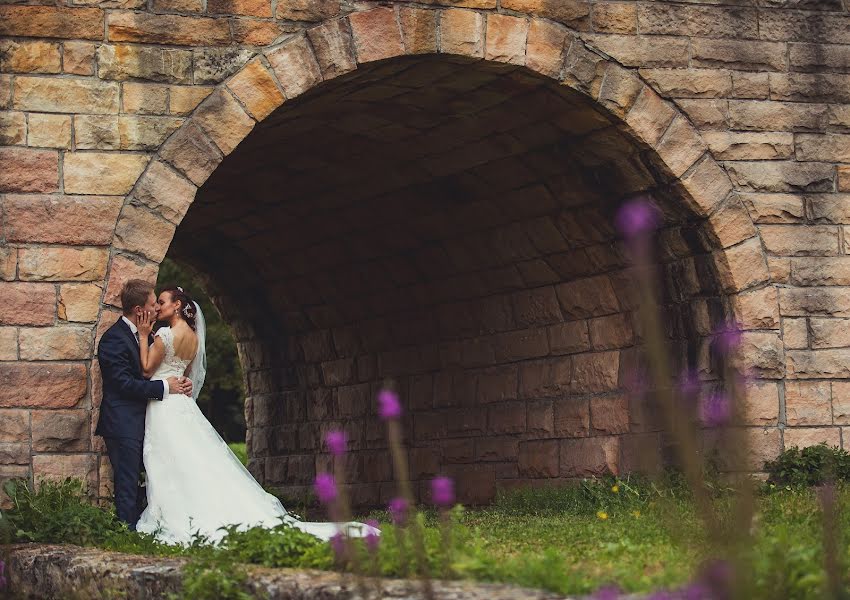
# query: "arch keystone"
506,39
547,43
418,29
462,32
376,34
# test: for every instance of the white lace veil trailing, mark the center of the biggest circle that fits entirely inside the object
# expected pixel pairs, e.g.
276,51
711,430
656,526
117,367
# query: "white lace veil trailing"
198,369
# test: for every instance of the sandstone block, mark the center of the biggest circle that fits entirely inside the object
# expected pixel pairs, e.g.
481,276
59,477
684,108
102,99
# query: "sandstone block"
726,145
830,333
593,296
777,116
78,58
821,271
62,263
536,307
55,343
760,403
334,50
571,417
569,338
609,414
8,343
252,32
255,86
494,385
584,69
144,132
96,132
418,30
165,191
253,8
589,457
490,449
87,220
643,51
182,100
829,208
774,208
80,302
60,430
575,13
27,303
296,67
42,385
813,301
521,344
680,147
701,21
793,240
747,55
145,98
782,176
747,85
597,372
192,153
707,184
546,46
802,437
818,364
808,403
376,34
508,417
743,266
167,29
841,402
843,179
13,128
545,379
761,354
538,458
30,56
795,333
506,39
51,22
620,88
213,65
823,147
706,114
611,332
127,61
14,425
15,454
614,17
805,87
57,467
48,94
125,268
26,170
758,309
49,131
143,232
102,172
650,116
732,223
223,119
689,83
462,32
307,10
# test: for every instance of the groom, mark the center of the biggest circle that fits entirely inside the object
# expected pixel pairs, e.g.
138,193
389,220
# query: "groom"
125,397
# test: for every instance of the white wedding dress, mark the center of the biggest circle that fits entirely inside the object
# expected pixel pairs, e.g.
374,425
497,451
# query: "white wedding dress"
194,481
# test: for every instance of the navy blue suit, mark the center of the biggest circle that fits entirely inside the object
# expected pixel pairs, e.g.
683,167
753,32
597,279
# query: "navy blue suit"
126,393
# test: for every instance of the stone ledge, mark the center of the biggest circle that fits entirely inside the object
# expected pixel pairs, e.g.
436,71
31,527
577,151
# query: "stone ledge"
60,571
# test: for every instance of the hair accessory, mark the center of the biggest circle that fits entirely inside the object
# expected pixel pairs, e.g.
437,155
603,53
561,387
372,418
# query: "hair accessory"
180,288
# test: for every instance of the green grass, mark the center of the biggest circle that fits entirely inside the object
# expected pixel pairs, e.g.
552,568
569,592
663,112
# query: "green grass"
567,540
240,451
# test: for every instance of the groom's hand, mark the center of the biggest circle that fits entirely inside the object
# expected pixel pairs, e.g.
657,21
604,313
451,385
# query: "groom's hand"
179,385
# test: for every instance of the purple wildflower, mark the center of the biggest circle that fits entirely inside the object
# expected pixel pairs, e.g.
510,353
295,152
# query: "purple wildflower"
637,216
608,592
728,338
337,442
689,383
716,410
338,544
398,510
443,491
389,407
373,540
325,487
717,576
696,591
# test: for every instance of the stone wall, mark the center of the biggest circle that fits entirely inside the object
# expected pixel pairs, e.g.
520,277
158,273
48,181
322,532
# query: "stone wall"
497,136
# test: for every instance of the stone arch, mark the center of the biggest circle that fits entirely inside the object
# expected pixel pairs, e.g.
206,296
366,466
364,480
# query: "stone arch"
281,73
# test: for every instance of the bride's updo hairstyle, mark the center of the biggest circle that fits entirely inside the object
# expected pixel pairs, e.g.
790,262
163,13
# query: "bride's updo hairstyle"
187,307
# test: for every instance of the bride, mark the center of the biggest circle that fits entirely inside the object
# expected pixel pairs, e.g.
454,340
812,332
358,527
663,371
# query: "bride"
195,484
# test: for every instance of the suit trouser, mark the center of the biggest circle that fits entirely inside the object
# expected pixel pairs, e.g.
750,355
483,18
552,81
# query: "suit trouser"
125,454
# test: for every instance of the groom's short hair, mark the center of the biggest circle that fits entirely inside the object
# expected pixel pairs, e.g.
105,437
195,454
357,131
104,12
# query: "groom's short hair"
135,293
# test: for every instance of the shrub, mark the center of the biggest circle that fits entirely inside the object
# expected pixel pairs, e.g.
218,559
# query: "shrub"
810,466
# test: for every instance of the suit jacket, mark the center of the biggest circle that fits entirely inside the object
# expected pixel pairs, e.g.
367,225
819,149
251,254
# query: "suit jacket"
126,392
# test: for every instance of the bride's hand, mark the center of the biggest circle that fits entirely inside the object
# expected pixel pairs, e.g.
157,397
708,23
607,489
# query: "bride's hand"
145,325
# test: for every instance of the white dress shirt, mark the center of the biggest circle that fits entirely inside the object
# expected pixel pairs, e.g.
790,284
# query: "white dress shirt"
135,331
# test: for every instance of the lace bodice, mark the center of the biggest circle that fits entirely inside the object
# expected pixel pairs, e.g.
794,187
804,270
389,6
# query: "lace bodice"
172,365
